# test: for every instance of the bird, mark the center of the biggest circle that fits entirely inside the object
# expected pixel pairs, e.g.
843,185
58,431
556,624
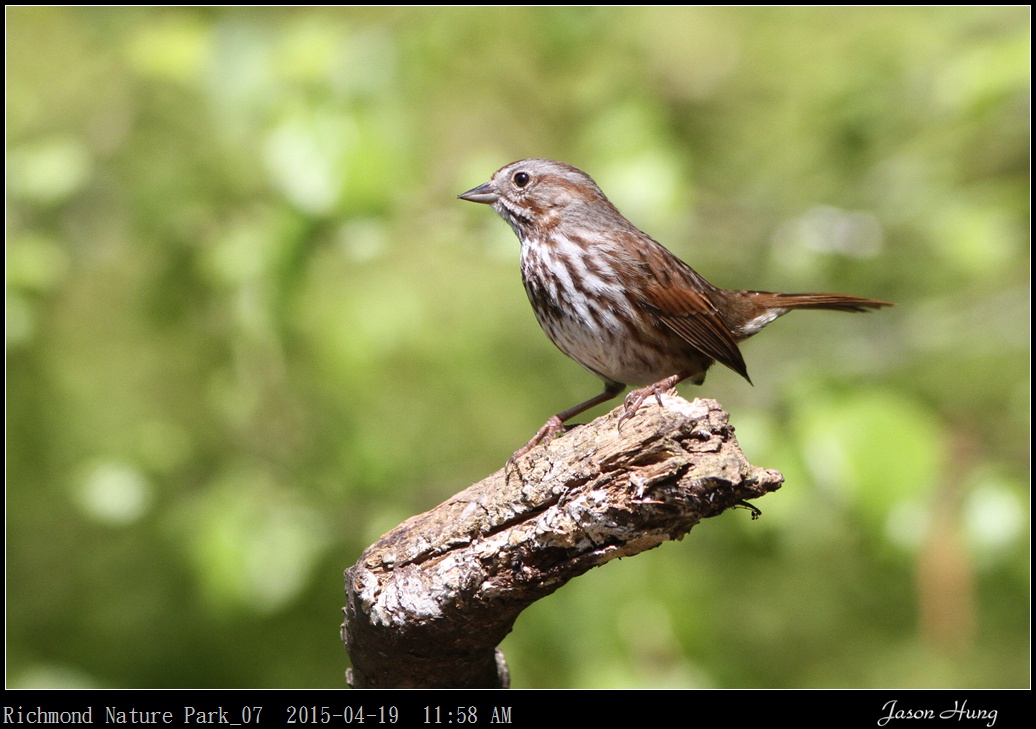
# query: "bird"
617,301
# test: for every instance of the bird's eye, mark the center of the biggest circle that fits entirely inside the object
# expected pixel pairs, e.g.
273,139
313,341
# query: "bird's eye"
521,179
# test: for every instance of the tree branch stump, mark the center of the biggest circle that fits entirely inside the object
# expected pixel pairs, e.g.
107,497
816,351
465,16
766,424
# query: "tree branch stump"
430,601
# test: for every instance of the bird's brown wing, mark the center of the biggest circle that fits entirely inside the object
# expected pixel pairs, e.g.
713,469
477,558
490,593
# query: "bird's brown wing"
681,298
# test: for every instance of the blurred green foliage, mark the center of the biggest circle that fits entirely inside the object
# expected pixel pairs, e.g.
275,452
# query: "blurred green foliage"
250,328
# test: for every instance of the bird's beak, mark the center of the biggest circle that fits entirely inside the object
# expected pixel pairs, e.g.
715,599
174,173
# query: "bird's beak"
481,194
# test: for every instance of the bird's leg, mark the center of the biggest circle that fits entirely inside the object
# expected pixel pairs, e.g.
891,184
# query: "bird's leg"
557,423
637,397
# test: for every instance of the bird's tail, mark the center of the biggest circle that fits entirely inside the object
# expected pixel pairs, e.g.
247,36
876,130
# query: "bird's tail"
750,311
837,302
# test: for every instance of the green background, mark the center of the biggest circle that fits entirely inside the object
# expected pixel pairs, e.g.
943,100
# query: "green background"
249,328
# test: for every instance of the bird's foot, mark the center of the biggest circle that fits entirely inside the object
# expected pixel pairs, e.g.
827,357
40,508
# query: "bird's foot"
637,397
544,435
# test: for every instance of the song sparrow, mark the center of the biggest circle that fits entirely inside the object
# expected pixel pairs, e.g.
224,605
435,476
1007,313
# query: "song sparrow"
616,301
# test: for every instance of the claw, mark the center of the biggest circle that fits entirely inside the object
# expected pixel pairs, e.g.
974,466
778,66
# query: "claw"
544,435
636,398
556,424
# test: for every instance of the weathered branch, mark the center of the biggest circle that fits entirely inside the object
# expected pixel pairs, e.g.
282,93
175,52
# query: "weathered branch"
430,601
